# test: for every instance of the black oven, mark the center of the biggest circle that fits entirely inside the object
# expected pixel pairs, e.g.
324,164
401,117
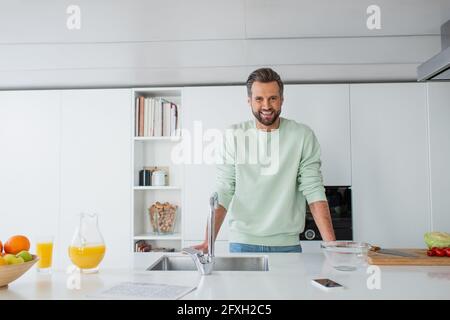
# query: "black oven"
340,203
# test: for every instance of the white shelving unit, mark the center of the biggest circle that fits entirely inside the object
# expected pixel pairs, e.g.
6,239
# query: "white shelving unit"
156,152
172,139
151,236
157,188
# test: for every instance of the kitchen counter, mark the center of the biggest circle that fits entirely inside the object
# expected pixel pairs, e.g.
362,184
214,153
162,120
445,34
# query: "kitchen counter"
289,277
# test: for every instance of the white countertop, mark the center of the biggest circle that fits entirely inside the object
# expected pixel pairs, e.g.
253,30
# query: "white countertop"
289,277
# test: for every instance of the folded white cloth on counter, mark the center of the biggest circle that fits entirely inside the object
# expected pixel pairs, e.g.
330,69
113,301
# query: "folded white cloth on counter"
143,290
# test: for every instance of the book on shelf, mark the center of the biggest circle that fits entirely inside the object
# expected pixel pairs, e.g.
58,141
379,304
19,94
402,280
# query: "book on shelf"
141,116
155,117
166,118
173,119
158,119
136,117
146,118
151,131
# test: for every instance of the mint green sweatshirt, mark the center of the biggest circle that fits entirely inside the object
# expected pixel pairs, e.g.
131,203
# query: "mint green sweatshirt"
265,199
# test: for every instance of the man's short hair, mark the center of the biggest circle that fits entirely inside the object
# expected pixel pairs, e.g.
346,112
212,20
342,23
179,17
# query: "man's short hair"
264,75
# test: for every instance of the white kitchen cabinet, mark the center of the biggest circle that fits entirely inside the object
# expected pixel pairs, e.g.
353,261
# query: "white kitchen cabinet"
29,170
391,200
206,108
326,110
439,120
96,168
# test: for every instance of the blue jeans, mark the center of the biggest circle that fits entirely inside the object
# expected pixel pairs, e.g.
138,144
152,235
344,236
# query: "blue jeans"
242,247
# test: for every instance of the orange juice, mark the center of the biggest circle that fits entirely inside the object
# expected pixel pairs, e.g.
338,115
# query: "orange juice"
44,251
87,257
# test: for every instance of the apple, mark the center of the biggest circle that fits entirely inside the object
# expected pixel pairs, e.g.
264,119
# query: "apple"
26,256
12,259
3,261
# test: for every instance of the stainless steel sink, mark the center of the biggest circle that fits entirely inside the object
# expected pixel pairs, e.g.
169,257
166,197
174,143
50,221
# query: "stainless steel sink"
185,263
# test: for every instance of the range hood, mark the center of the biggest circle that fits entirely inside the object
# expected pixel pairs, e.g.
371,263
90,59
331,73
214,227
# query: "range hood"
438,67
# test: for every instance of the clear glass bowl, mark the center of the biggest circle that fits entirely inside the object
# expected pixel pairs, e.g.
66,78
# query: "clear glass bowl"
345,255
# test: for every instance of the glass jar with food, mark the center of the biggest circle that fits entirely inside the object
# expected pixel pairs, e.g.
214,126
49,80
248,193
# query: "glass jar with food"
163,217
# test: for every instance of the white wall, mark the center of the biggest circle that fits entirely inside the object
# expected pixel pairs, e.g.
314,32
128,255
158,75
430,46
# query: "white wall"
95,168
142,42
63,153
439,132
29,163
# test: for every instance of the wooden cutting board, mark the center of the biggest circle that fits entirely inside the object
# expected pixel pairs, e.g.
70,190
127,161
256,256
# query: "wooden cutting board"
421,260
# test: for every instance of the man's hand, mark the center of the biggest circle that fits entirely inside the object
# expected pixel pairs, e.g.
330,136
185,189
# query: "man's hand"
322,217
202,247
220,214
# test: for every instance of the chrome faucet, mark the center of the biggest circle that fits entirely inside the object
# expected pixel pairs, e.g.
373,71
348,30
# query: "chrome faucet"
205,263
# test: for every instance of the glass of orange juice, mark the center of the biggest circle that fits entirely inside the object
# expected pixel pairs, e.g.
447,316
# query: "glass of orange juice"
44,250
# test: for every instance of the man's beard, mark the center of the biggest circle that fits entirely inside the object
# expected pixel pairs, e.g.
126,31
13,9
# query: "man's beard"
265,121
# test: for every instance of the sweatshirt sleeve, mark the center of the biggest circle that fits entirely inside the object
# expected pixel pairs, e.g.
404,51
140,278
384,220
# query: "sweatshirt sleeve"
226,170
309,177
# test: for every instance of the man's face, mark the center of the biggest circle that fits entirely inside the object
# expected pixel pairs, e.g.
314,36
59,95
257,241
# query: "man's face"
266,102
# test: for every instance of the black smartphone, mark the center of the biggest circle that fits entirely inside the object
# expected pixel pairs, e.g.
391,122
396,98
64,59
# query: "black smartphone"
326,284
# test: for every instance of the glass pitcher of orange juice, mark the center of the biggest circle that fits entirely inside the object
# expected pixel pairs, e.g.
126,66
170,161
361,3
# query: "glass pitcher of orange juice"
88,247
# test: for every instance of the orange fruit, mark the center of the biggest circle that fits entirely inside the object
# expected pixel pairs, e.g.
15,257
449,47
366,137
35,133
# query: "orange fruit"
1,247
15,244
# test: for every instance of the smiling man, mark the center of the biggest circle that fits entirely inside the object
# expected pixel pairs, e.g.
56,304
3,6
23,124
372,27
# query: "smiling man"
267,211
